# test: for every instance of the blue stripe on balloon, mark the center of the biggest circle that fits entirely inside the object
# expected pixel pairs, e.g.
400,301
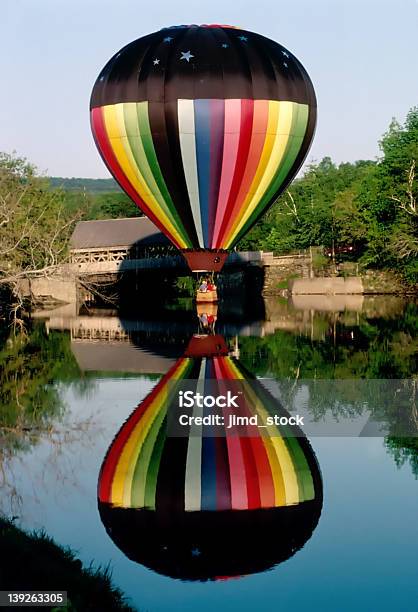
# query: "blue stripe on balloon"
202,136
217,128
208,480
208,493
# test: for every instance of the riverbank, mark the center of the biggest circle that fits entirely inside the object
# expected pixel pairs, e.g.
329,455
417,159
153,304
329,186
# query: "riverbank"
33,561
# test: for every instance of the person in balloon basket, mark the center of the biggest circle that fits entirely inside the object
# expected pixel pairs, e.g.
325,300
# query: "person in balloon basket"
204,286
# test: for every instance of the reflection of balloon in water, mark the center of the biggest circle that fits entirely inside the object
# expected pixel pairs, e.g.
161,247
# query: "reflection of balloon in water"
203,127
201,507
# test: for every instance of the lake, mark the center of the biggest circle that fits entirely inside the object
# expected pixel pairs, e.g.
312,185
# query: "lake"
348,537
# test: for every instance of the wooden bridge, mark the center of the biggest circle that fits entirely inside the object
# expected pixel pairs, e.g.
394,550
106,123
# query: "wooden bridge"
114,246
119,259
103,250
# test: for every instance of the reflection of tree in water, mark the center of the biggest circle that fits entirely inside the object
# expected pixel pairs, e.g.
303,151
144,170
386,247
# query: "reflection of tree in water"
374,348
404,450
32,365
382,349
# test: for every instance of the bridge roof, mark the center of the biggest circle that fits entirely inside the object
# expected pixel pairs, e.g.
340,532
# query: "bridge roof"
117,233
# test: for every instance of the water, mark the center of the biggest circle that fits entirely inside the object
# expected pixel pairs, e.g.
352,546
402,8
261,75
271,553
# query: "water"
361,554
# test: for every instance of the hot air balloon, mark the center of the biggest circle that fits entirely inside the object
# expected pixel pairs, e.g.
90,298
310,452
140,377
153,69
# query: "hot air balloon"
203,506
203,127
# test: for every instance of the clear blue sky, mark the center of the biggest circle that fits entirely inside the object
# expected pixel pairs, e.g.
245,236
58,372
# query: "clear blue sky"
361,55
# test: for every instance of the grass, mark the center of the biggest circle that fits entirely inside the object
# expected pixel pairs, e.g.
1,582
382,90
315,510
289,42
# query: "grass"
33,561
283,284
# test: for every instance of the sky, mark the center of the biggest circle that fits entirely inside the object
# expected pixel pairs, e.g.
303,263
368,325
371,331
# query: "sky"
361,56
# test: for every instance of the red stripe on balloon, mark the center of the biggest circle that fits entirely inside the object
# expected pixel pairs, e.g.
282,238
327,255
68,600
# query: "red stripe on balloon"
217,127
264,477
248,469
258,137
250,447
108,469
105,149
223,483
237,473
232,125
261,463
247,113
223,480
253,489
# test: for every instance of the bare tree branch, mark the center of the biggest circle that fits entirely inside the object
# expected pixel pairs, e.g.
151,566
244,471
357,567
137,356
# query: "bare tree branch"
409,205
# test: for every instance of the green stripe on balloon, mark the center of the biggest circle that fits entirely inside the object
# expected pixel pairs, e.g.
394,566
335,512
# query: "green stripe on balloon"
297,131
151,157
137,149
154,466
133,131
302,469
143,462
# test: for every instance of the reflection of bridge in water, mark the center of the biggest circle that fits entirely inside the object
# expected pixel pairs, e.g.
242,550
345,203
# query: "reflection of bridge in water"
103,341
108,343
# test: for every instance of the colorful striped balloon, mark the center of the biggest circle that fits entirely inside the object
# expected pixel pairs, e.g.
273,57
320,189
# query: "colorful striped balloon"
203,127
151,478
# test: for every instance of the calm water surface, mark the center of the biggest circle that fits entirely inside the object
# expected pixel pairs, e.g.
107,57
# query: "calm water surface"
362,553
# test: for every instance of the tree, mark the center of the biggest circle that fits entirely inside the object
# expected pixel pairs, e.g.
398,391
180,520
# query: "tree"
388,201
34,224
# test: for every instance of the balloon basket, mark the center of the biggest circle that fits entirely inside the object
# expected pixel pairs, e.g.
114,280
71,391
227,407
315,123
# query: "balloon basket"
208,308
207,297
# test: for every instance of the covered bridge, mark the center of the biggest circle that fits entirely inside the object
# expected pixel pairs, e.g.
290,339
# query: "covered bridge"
113,241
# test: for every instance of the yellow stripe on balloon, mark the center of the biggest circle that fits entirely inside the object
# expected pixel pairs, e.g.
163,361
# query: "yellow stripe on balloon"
288,471
122,480
115,128
121,485
271,158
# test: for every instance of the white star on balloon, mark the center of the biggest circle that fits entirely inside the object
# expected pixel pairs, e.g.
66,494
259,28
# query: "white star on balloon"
167,39
225,46
243,38
285,54
285,65
156,62
186,55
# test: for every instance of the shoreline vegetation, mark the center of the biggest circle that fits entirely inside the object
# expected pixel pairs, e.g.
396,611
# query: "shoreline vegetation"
33,561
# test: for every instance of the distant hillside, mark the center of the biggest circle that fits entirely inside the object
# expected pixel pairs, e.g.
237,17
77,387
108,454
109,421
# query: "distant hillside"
90,185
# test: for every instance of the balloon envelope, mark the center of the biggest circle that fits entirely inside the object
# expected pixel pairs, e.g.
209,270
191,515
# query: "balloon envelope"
203,127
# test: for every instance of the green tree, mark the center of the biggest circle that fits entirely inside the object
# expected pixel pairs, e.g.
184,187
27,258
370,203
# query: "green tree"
388,201
34,224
